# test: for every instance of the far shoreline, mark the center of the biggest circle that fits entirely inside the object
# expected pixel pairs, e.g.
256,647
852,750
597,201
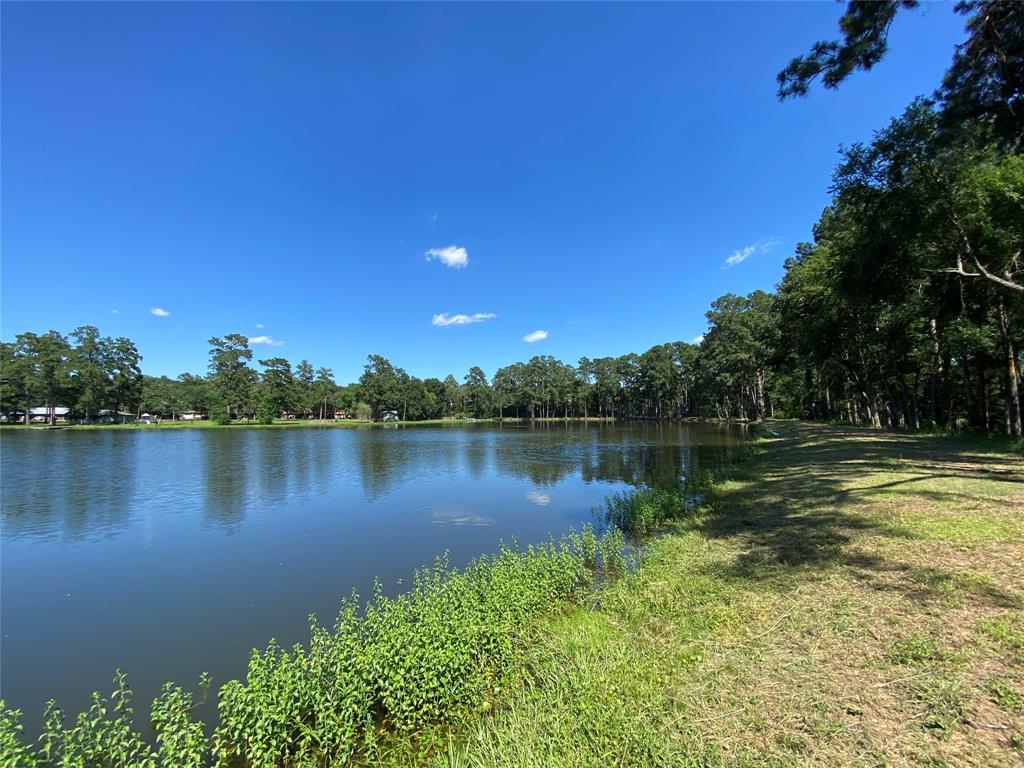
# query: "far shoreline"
304,423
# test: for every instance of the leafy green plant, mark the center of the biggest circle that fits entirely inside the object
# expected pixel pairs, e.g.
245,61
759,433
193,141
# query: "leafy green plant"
102,737
612,547
13,752
180,740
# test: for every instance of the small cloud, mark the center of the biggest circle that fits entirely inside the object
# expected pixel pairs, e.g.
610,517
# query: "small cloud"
697,339
270,341
538,498
433,217
158,312
259,326
444,319
744,253
530,338
115,311
453,256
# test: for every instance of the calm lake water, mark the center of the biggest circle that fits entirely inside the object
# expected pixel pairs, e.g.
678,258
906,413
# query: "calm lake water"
168,553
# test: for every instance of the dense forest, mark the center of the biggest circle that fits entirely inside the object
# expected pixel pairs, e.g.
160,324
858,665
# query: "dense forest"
905,308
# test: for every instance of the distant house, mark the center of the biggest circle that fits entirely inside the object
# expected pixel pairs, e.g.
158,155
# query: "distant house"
41,414
107,416
286,415
389,416
342,415
191,416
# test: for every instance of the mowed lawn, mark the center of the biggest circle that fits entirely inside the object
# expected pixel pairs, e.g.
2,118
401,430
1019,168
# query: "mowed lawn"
847,598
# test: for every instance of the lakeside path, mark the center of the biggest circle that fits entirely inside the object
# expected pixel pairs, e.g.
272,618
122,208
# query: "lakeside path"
850,598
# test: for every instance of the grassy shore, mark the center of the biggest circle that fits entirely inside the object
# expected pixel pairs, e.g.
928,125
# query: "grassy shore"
848,598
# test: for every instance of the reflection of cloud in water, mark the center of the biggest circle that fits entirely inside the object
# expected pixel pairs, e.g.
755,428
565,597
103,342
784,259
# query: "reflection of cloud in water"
443,514
538,498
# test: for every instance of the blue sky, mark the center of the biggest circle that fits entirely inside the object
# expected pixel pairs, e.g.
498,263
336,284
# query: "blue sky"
350,179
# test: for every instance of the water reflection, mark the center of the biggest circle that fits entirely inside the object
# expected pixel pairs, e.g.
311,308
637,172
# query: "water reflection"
443,515
73,492
93,483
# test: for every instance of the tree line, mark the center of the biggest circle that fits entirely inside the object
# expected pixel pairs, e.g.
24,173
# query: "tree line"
96,375
906,307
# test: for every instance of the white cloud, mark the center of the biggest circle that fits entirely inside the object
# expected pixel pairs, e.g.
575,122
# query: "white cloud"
697,339
444,319
259,325
434,217
744,253
453,256
270,341
530,338
158,312
538,498
115,311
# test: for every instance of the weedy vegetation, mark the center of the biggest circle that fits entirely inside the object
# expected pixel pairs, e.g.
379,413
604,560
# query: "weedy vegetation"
389,677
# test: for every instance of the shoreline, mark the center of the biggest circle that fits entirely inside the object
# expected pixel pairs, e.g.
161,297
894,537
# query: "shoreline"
855,576
303,424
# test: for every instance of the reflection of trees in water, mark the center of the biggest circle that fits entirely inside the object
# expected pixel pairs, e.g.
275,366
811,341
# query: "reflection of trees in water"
226,476
388,457
322,450
272,457
659,454
67,485
640,453
273,468
658,465
543,458
93,483
478,446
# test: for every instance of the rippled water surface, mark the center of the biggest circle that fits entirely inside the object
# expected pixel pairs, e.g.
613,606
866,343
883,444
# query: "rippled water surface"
167,553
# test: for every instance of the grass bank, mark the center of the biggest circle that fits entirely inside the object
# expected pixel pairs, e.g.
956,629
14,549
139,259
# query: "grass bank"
844,597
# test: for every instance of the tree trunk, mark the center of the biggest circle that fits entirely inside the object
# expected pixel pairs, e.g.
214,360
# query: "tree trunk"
936,373
972,413
1012,397
983,392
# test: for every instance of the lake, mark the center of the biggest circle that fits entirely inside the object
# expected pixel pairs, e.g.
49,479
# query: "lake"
168,553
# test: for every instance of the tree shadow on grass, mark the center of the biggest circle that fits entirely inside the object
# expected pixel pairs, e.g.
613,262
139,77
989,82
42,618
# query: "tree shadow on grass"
807,505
